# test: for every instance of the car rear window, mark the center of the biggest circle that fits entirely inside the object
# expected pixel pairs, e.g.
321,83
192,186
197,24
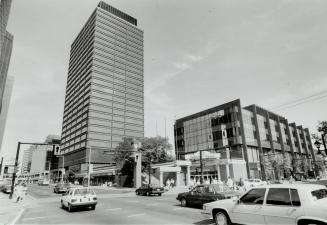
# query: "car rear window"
320,193
84,191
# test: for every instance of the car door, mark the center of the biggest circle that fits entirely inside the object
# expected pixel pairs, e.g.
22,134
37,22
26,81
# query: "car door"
65,197
195,195
208,195
282,206
248,208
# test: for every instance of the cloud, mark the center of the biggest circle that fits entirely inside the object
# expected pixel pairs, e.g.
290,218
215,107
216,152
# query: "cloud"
186,62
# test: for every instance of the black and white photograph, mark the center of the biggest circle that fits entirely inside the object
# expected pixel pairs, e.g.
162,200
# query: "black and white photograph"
163,112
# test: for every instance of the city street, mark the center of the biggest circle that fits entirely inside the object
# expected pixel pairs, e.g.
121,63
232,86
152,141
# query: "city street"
112,208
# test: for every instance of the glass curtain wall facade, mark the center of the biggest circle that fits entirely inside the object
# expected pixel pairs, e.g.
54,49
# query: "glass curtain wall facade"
6,43
104,95
252,133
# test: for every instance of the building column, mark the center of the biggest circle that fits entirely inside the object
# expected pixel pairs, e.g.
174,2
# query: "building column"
262,167
244,145
218,171
161,178
177,183
280,131
188,175
227,170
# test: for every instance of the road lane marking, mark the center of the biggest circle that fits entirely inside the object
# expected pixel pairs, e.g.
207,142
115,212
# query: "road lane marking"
134,215
17,217
113,209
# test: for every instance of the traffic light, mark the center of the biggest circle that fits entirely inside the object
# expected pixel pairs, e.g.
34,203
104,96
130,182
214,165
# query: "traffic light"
56,149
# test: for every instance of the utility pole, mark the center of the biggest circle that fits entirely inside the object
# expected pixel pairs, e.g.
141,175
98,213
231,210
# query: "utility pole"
149,169
201,167
89,172
1,165
14,174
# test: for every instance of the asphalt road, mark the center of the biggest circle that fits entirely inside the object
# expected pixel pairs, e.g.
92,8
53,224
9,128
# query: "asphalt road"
111,209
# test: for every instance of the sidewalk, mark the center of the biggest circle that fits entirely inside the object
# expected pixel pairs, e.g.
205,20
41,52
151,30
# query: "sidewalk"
10,211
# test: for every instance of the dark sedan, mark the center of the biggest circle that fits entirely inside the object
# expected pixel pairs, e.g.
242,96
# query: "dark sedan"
149,189
205,193
61,188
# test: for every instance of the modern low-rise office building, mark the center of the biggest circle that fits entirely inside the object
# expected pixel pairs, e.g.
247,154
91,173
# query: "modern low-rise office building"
104,94
242,142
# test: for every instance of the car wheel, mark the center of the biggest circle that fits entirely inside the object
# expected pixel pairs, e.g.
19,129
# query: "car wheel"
221,218
310,222
70,208
62,205
183,202
147,193
137,193
159,194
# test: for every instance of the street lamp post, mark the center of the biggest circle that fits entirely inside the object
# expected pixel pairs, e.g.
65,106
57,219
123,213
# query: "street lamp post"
89,170
62,166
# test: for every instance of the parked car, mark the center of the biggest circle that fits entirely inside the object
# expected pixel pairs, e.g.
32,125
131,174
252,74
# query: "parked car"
61,188
149,189
5,186
43,182
79,197
248,183
205,193
300,204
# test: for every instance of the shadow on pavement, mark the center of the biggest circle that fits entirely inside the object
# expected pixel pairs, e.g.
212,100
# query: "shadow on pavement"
203,222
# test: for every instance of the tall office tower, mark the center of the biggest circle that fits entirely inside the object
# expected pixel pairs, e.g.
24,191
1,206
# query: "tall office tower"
27,159
5,45
5,108
6,40
104,95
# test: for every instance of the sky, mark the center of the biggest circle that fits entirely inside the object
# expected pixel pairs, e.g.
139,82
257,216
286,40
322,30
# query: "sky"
197,55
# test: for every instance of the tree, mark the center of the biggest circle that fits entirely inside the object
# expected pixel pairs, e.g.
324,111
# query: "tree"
322,129
151,147
156,148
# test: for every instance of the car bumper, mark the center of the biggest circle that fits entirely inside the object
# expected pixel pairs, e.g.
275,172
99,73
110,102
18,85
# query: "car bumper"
83,204
157,192
206,215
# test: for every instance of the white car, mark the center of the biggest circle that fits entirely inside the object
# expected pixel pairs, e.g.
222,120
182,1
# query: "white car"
79,197
249,183
297,204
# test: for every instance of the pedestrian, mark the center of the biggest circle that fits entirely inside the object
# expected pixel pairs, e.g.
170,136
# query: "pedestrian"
18,192
168,183
230,183
291,180
241,185
172,182
220,185
23,192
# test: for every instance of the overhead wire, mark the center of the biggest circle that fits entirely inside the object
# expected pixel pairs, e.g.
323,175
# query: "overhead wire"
300,101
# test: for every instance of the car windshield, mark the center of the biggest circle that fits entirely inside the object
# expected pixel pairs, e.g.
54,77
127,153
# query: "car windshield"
319,194
84,191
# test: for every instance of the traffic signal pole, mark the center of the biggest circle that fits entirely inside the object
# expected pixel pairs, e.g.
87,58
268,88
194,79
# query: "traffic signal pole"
201,167
14,174
16,164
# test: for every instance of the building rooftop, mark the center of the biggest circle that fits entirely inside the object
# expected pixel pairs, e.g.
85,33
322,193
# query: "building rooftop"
117,12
